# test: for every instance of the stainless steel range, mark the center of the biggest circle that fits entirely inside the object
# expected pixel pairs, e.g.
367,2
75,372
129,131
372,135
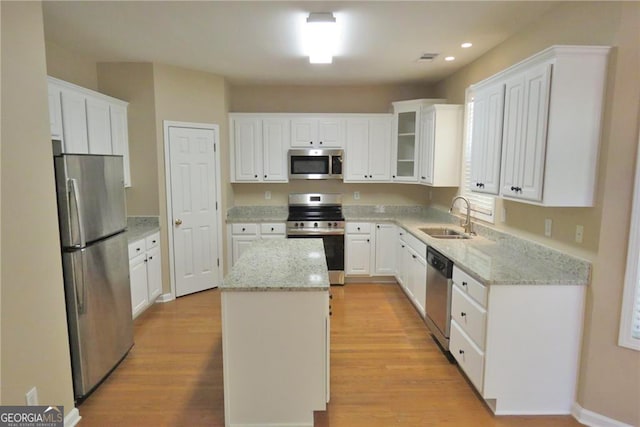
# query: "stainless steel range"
316,215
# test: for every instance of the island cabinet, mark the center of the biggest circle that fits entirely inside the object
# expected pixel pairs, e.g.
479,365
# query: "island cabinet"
275,334
545,124
518,344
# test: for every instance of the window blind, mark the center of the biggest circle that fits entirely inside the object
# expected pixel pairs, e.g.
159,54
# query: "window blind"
630,316
482,206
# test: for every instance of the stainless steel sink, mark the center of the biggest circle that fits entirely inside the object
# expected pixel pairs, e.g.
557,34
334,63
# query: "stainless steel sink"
443,233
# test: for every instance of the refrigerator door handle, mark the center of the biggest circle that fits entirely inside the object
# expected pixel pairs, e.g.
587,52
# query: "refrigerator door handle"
79,280
73,185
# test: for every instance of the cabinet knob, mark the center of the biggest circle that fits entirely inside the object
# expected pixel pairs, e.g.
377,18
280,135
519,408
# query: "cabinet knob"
271,228
320,142
255,176
413,256
513,188
358,228
145,260
243,229
265,176
423,177
150,257
464,283
462,314
153,241
137,249
365,176
377,226
393,176
310,142
402,246
178,221
367,240
461,351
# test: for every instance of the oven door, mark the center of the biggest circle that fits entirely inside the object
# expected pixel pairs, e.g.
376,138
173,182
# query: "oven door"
334,251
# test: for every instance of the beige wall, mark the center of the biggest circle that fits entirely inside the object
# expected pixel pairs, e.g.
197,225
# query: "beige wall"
370,194
322,99
189,96
35,346
133,82
609,375
67,65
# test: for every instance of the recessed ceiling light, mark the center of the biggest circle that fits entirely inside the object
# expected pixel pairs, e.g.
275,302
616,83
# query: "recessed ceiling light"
466,45
449,58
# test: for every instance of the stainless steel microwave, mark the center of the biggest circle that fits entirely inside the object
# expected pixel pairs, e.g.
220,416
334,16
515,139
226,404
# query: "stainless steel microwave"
315,164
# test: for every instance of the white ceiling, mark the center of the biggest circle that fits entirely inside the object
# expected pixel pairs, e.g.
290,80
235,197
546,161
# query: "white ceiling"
258,41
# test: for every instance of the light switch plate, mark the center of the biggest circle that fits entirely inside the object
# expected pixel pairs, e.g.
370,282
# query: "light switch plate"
356,195
579,233
267,195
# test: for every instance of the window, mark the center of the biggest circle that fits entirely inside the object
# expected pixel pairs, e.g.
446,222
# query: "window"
630,319
482,206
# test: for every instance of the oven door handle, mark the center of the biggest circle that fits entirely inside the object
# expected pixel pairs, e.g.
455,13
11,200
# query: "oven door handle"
296,233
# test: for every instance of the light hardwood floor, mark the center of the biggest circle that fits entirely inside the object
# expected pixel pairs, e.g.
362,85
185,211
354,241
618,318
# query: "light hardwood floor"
385,370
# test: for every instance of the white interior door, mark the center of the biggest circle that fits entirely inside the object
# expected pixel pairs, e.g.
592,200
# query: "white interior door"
193,202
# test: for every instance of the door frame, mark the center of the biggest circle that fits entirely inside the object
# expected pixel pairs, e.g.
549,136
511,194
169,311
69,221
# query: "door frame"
166,124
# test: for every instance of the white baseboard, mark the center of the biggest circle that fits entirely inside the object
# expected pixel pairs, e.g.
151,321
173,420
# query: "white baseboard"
165,298
593,419
73,418
369,279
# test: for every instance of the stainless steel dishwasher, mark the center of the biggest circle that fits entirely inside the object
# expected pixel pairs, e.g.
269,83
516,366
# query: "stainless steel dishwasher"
438,303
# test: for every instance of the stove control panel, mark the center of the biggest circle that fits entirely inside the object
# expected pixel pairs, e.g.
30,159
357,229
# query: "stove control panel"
329,226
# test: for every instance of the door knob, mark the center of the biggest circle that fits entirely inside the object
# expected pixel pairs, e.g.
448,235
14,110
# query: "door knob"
178,221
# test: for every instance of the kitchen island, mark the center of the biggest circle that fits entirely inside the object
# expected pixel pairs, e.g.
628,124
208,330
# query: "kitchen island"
275,334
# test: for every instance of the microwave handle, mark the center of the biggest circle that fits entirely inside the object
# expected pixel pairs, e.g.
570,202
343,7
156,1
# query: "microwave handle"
336,161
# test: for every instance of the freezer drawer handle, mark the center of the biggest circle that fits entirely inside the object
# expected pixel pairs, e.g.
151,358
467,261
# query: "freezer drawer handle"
73,185
79,281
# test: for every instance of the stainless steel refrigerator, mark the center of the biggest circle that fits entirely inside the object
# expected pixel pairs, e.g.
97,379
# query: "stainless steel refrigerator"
92,218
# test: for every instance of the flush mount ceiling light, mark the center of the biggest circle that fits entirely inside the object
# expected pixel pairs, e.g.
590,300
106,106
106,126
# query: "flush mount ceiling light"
466,45
449,58
321,37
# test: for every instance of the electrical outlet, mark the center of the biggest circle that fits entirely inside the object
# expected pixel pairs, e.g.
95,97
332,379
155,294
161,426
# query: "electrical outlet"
547,227
356,195
267,195
32,397
579,233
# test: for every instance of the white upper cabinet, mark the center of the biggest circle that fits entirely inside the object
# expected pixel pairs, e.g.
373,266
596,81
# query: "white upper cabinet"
74,122
406,141
550,135
120,137
55,112
98,126
275,139
259,148
368,149
488,110
524,133
88,122
318,132
247,149
441,145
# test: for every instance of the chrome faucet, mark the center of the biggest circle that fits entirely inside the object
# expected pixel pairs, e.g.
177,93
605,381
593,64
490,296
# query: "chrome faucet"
467,224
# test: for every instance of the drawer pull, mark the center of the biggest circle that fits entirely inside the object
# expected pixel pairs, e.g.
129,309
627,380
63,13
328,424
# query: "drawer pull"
461,351
464,283
462,314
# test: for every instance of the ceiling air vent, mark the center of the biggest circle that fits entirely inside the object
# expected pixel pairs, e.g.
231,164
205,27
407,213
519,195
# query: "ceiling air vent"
427,57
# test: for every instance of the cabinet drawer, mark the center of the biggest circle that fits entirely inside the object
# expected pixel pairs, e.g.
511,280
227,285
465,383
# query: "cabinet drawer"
136,248
469,356
469,316
358,228
272,228
470,286
416,244
244,229
153,240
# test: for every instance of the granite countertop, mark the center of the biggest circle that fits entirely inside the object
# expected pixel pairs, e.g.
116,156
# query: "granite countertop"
139,227
257,214
280,264
493,257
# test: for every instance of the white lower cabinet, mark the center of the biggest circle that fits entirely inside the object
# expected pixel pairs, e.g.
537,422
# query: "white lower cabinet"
411,268
518,344
244,234
358,249
385,249
145,273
